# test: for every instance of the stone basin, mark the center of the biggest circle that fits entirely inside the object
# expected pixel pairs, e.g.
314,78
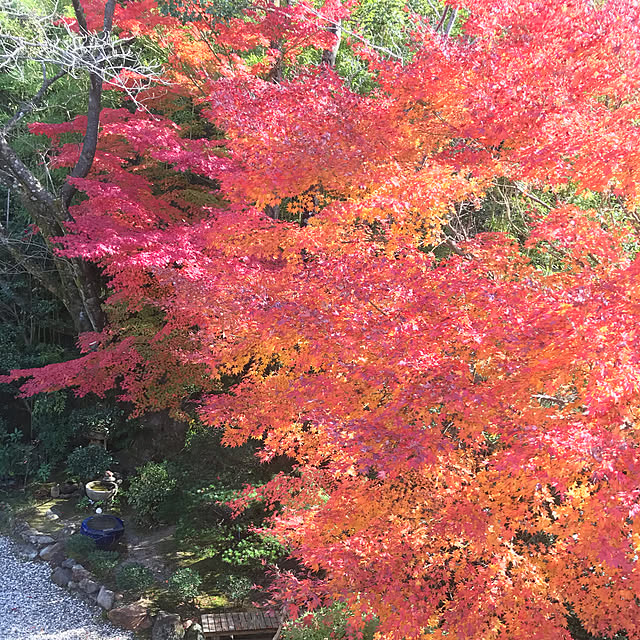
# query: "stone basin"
101,490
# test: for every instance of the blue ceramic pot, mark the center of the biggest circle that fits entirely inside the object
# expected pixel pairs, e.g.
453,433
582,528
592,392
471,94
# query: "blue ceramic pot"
104,529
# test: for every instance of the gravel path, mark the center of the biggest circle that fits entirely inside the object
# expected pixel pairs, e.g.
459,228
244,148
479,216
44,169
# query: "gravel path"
33,608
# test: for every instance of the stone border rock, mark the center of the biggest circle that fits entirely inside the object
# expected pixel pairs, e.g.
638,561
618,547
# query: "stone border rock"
68,573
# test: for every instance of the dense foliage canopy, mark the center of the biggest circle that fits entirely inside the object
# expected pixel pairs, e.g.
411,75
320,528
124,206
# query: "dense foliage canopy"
463,427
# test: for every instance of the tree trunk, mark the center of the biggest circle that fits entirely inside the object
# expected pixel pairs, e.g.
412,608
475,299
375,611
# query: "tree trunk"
329,55
75,282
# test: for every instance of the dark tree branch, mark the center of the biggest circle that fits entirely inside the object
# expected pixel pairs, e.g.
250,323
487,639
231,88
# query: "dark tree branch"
80,16
29,105
7,178
74,282
18,176
29,265
77,284
109,10
94,107
442,18
456,249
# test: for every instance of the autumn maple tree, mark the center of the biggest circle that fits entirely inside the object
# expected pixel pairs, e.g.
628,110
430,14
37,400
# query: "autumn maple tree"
463,428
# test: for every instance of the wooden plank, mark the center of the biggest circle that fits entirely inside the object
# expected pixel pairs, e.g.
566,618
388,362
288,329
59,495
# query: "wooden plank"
271,621
246,620
239,622
230,624
212,623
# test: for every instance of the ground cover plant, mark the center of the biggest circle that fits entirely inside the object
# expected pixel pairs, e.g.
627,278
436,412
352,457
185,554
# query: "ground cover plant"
325,623
455,408
184,584
80,547
103,562
134,578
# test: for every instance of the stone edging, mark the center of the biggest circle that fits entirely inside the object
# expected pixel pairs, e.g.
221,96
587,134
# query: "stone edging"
67,572
70,574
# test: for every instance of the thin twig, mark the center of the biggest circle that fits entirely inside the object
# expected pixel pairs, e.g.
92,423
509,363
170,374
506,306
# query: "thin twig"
525,193
377,308
442,18
29,105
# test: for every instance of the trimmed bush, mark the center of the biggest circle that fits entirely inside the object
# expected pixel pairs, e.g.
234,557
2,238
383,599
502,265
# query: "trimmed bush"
103,562
134,578
89,463
184,584
153,485
236,588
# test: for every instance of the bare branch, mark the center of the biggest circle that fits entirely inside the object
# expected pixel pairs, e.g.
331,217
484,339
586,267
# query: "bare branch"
77,53
29,264
553,399
352,33
452,22
525,193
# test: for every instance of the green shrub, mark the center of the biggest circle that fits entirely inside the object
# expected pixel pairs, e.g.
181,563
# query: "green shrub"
236,588
14,454
89,463
253,551
134,578
184,584
43,472
83,504
79,547
153,486
96,418
102,562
